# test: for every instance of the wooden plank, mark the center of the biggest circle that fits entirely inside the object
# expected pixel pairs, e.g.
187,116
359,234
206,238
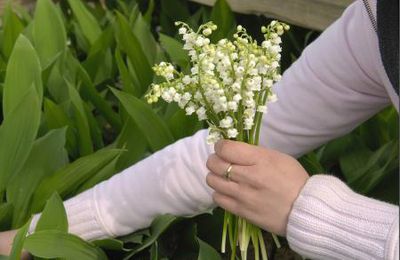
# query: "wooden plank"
313,14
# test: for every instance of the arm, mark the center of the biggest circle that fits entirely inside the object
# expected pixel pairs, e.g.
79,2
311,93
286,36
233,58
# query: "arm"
170,181
335,85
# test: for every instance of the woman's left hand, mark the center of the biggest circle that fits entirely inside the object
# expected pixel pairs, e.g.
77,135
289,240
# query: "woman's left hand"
263,184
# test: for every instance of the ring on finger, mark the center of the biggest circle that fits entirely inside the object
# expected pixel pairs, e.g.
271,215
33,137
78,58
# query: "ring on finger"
228,172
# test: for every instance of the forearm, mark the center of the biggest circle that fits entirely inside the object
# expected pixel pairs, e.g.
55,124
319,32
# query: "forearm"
330,221
170,181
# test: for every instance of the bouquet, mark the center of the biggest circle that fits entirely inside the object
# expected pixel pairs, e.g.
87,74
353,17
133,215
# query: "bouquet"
229,86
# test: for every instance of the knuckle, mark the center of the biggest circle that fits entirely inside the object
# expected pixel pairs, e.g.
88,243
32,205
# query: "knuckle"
210,164
209,180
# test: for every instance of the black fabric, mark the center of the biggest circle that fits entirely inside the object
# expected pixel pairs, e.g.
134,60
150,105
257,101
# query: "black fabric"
388,34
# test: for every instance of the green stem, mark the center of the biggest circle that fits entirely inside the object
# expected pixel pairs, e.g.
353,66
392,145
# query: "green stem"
276,240
262,245
223,243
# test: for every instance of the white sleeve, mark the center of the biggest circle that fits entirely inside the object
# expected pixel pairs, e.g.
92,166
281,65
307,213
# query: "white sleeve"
333,87
169,181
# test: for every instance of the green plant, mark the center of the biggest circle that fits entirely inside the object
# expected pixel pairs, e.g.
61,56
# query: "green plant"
73,112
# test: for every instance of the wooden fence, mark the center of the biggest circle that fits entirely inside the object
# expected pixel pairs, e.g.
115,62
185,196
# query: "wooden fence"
313,14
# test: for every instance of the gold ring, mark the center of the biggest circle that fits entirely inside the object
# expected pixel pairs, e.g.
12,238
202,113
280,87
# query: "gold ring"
228,173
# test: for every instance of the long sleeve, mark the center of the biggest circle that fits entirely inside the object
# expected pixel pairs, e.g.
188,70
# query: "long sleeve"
336,84
170,181
330,221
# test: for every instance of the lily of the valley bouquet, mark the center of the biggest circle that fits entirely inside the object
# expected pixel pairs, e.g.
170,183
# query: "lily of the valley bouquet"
229,86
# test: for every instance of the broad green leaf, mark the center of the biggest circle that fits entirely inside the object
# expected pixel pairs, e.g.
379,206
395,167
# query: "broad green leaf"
49,34
133,140
182,125
154,129
17,134
81,122
66,180
129,43
311,163
110,244
55,117
38,166
128,84
54,243
149,12
175,51
89,92
23,72
12,27
99,63
87,22
56,85
103,174
6,210
19,241
207,252
141,29
223,17
53,216
158,226
95,130
379,164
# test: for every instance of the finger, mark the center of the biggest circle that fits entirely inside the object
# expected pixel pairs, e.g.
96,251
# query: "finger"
237,152
218,166
222,185
227,203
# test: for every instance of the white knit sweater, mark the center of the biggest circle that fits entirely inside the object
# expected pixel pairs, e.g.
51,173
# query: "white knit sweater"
337,83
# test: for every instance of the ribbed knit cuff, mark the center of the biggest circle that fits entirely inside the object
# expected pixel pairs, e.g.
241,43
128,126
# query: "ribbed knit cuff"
82,217
330,221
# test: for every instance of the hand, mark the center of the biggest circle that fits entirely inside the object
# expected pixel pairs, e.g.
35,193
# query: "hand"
6,241
263,184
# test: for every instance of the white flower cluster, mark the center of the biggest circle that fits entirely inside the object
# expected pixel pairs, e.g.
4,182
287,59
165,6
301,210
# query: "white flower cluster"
229,82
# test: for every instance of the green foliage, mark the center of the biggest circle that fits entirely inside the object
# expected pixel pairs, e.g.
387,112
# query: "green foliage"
72,115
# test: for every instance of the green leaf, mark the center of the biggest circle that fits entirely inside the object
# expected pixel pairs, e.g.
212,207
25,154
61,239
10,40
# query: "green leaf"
81,122
53,216
223,17
99,63
311,163
12,27
182,125
207,252
54,244
104,174
175,50
141,29
133,140
149,12
87,22
158,226
89,92
6,210
130,44
55,117
378,165
49,34
17,134
128,84
110,244
154,129
23,72
18,242
38,166
66,180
